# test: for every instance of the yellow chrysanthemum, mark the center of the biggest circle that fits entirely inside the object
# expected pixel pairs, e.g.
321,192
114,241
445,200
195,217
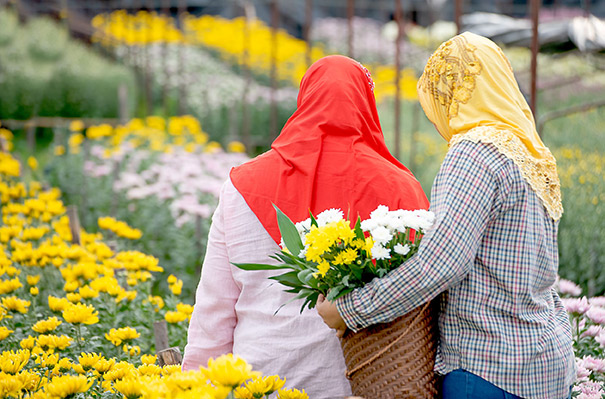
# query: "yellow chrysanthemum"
4,332
67,385
34,291
80,313
346,257
175,317
59,342
228,370
44,326
291,394
8,286
64,365
27,343
133,350
121,335
58,304
149,369
149,359
322,268
14,304
88,360
33,279
12,362
10,385
131,388
262,386
104,365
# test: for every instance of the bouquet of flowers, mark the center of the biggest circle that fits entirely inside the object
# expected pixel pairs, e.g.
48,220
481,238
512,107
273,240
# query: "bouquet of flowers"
325,255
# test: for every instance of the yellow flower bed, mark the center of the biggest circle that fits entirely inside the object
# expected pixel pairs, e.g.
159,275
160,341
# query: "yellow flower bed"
76,317
235,40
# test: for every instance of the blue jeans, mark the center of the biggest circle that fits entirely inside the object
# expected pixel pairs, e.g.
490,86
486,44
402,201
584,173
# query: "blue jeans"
460,384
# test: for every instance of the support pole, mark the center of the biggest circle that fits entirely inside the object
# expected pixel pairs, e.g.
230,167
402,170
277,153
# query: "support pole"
350,14
274,27
457,15
535,12
399,21
307,30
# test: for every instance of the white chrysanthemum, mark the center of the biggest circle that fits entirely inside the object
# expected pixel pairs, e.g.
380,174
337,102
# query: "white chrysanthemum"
368,225
379,212
329,216
303,252
425,219
379,252
402,249
282,244
303,226
381,235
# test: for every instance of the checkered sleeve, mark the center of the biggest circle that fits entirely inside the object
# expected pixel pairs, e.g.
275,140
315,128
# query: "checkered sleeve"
465,194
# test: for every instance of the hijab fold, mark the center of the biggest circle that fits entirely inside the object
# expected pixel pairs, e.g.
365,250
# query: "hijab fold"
330,154
469,92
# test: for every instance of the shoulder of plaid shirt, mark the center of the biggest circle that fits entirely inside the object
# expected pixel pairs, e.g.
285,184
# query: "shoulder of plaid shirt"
493,253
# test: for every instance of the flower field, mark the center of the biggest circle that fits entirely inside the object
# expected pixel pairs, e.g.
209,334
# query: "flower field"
78,305
162,176
76,317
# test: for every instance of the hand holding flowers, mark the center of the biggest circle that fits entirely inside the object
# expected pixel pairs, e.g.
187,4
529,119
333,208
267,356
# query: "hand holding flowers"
324,255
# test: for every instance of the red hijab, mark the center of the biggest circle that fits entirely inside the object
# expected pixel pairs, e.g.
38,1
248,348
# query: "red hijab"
330,154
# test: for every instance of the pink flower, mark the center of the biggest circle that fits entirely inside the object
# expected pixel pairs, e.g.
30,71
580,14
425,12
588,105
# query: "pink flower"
596,314
589,390
569,288
592,331
582,373
576,305
597,301
593,364
601,339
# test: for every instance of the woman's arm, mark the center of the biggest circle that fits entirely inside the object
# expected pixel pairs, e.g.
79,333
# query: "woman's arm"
213,319
465,193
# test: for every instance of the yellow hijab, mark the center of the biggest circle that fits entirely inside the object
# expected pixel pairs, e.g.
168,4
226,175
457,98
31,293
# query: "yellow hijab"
468,91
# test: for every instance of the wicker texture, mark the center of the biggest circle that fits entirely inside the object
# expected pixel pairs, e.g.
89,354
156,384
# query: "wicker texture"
394,360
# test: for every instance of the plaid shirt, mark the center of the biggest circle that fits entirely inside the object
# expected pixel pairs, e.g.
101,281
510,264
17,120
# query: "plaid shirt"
493,252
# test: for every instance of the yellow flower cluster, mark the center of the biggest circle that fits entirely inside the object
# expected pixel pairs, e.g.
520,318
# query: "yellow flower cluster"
321,239
251,39
80,289
119,228
154,132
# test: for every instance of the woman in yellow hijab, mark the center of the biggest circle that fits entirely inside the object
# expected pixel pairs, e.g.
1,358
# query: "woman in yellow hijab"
493,250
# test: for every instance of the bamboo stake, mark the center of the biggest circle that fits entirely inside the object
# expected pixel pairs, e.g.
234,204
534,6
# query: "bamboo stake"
399,20
274,27
307,30
535,15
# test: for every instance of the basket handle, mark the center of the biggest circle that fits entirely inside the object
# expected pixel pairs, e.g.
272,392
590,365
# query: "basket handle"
355,369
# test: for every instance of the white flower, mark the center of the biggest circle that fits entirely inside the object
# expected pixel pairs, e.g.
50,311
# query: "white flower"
304,226
329,216
379,252
381,235
368,225
303,252
379,212
402,249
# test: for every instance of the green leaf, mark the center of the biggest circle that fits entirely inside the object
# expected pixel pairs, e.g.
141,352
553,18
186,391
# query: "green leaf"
313,220
288,232
289,279
305,275
260,266
357,229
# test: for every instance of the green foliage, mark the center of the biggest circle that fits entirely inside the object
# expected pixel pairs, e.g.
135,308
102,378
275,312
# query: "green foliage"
45,73
174,246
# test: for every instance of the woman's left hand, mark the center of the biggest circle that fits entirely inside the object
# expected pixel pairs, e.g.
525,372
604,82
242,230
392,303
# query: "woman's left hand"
329,312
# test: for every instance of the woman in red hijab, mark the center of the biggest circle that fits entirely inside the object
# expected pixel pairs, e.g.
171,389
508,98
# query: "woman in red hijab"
330,154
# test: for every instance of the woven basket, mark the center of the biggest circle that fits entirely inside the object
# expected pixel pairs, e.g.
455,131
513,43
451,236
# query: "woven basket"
394,360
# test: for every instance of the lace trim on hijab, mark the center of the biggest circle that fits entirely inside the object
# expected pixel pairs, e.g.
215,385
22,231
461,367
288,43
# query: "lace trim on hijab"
541,175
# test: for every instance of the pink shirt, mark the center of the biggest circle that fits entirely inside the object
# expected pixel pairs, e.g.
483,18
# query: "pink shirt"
235,310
